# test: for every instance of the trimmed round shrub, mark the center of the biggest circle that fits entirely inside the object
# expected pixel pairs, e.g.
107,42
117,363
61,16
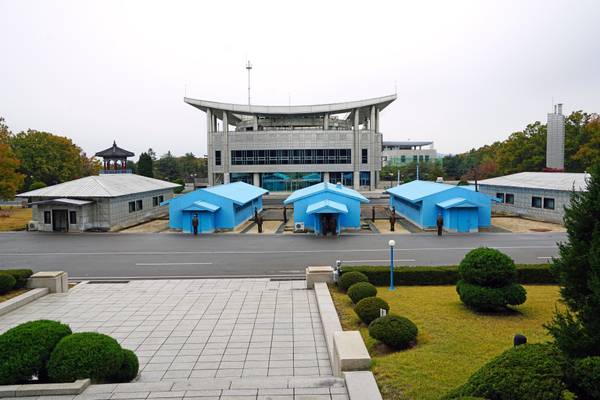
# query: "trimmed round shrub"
26,349
128,370
368,309
7,282
529,371
395,331
484,298
85,355
586,376
361,290
487,267
20,276
350,278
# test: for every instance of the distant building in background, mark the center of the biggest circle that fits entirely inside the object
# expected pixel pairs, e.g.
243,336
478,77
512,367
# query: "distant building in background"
555,140
405,152
536,195
285,148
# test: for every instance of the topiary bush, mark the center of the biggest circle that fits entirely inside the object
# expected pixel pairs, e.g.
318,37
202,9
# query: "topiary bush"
368,309
397,332
529,371
361,290
85,355
488,281
7,282
350,278
586,376
26,349
20,276
128,370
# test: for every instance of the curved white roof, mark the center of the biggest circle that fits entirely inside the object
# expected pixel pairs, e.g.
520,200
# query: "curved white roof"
332,108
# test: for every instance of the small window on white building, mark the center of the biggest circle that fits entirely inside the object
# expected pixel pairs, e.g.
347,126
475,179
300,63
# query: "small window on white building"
536,202
509,198
500,196
154,201
161,198
73,217
132,206
138,205
549,203
47,217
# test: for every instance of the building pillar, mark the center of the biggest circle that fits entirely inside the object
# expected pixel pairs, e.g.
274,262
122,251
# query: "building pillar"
326,122
255,122
356,150
209,148
326,177
256,179
372,152
225,154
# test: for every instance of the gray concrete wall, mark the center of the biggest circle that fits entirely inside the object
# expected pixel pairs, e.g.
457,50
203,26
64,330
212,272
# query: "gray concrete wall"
120,217
522,204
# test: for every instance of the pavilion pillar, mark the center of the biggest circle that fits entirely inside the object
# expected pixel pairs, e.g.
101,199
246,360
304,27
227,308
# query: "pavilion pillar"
356,150
225,151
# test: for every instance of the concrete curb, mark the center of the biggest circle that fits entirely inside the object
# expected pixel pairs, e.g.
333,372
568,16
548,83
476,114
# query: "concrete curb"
329,317
361,385
21,300
45,389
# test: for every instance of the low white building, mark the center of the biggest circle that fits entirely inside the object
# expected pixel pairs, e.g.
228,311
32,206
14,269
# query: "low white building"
536,195
405,152
104,202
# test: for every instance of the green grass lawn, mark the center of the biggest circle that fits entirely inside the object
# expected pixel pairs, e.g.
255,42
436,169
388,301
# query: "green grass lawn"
453,341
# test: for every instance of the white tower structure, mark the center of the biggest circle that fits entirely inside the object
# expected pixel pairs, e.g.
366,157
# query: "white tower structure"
555,140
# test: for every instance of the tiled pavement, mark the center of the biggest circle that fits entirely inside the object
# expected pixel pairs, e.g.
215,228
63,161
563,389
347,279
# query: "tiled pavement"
204,333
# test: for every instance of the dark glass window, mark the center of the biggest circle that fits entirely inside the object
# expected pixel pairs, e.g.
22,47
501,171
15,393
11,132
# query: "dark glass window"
131,206
47,217
161,198
365,156
536,202
426,158
510,198
365,178
500,196
138,205
154,201
403,159
549,203
217,157
415,158
293,156
72,217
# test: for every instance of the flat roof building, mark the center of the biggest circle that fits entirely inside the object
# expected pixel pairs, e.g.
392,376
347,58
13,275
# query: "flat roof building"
535,195
285,148
404,152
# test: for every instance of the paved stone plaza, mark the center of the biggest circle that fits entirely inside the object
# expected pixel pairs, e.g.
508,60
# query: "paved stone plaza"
227,339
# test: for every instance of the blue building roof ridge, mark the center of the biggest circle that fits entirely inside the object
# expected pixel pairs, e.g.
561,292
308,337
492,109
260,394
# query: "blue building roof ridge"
322,187
417,190
239,192
202,206
456,202
326,205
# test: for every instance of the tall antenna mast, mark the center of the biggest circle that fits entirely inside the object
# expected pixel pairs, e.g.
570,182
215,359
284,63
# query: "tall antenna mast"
248,67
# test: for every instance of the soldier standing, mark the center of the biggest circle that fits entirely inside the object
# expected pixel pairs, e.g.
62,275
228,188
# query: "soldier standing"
440,224
195,224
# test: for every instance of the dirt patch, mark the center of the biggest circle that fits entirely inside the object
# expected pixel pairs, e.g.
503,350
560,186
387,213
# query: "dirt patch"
383,226
268,227
522,225
157,225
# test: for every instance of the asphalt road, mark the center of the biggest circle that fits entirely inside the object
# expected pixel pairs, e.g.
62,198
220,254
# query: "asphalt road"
97,255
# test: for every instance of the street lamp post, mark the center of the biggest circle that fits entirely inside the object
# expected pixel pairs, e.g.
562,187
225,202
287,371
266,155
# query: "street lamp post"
392,243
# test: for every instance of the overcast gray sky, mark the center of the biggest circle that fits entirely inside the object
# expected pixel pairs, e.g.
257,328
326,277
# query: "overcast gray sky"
467,72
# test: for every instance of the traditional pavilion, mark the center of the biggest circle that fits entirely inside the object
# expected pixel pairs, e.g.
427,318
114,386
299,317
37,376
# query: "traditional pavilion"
114,159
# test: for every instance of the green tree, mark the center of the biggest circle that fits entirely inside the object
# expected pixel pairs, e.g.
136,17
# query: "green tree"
10,179
577,330
48,158
145,165
5,133
166,167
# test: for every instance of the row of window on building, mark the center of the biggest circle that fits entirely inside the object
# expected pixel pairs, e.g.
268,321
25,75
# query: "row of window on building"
290,181
295,156
138,205
415,158
536,201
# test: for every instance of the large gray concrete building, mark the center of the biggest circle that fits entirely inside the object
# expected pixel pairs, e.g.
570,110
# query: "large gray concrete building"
536,195
405,152
105,202
285,148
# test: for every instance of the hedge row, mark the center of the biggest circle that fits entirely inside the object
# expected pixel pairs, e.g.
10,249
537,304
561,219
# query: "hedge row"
448,275
13,279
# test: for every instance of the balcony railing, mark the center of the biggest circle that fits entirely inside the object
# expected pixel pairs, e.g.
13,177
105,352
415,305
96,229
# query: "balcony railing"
114,171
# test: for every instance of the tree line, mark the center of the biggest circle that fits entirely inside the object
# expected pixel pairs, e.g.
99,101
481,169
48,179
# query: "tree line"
34,159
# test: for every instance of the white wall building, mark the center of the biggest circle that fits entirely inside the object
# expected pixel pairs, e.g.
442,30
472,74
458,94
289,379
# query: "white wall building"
405,152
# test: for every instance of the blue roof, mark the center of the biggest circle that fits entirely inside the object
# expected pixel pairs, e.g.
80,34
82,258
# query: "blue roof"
325,187
456,202
327,207
417,190
240,192
202,206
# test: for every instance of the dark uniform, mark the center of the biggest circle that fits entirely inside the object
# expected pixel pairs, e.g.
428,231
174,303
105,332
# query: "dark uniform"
440,224
195,223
